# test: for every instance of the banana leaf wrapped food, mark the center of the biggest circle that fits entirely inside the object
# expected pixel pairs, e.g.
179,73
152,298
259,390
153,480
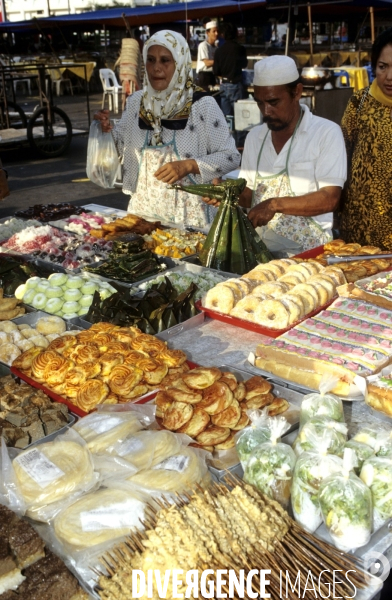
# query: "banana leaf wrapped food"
232,243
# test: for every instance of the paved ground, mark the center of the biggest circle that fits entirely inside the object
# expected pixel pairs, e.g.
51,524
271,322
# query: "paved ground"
39,181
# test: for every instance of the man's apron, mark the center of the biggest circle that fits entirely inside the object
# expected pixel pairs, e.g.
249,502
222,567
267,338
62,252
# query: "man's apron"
285,234
155,199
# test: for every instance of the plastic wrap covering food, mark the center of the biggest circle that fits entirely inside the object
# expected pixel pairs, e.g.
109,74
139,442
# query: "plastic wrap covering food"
102,157
346,505
99,517
321,431
253,436
374,435
322,404
146,449
177,473
376,473
271,465
310,470
101,430
47,477
362,453
385,447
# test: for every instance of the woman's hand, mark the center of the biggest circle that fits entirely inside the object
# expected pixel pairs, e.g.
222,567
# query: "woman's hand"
213,201
262,213
176,170
103,117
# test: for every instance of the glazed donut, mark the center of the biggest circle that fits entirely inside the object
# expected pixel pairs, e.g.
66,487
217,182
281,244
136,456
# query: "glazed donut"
275,269
23,326
261,296
8,326
251,283
336,273
245,285
311,269
245,308
328,286
222,299
274,289
287,262
272,314
292,278
260,276
294,309
298,301
8,353
278,263
236,287
300,268
309,297
322,292
316,265
40,341
5,337
25,345
51,324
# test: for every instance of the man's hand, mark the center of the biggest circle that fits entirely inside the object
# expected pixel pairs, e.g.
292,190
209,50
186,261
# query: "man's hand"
262,213
4,190
103,117
213,201
176,170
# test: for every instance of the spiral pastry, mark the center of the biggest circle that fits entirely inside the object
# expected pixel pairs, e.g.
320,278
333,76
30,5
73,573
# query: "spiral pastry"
103,338
127,334
85,336
59,388
109,361
148,343
111,399
24,361
98,327
91,393
172,358
90,369
118,348
71,389
60,344
56,371
137,391
153,370
134,357
83,354
40,362
123,379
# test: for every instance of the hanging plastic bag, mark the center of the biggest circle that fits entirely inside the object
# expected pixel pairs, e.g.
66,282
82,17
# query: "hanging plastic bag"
346,504
376,473
102,157
385,447
254,435
270,466
362,453
322,404
373,435
321,430
310,470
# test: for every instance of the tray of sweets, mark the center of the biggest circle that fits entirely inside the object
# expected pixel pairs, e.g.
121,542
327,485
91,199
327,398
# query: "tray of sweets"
236,322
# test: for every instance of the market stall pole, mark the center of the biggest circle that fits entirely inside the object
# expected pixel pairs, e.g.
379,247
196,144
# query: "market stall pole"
310,24
373,36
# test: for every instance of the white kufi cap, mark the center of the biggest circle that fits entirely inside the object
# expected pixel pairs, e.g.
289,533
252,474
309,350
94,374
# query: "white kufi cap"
275,70
212,24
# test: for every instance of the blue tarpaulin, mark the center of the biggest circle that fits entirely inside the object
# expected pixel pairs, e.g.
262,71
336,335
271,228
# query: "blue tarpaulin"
140,15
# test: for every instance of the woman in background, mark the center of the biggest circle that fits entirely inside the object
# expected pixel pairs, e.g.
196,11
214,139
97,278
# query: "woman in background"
366,210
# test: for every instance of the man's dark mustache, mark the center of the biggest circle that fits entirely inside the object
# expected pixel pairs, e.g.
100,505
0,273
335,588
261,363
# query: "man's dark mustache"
268,120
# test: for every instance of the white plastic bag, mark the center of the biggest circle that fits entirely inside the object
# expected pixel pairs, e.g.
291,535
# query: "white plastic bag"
322,404
376,473
346,504
271,465
374,435
318,431
102,157
101,429
258,432
362,453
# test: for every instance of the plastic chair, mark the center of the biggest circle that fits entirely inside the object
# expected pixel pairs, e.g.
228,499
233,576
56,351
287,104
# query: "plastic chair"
24,82
343,78
58,80
111,88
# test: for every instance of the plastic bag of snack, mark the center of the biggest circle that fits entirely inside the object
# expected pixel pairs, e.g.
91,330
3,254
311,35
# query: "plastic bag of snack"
101,429
346,505
376,473
310,470
362,453
177,473
99,517
385,447
102,157
51,475
374,435
271,465
321,431
322,404
258,432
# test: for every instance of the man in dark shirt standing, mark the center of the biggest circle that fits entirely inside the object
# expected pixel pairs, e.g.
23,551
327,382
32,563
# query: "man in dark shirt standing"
229,60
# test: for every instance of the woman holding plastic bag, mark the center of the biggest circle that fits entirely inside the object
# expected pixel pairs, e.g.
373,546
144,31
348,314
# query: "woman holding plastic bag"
171,132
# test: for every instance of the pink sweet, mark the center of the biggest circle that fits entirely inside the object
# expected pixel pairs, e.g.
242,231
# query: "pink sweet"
341,333
346,319
291,348
335,316
331,329
302,350
320,325
279,344
361,308
313,354
372,311
337,360
385,343
365,325
326,344
352,366
377,328
302,336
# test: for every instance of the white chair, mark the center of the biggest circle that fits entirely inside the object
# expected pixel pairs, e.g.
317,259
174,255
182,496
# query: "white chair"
111,88
22,82
59,80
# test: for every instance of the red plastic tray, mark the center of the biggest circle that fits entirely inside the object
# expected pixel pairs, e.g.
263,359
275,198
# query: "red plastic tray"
72,407
313,253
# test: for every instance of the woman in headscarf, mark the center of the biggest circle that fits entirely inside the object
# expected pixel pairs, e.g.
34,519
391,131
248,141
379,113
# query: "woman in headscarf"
171,133
366,206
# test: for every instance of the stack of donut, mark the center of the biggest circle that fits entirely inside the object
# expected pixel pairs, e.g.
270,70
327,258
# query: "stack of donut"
359,268
277,294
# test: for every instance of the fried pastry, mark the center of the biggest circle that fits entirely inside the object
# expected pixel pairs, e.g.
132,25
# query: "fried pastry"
198,423
41,361
278,406
216,398
177,415
228,417
148,343
227,444
202,377
172,358
256,385
23,362
182,393
56,371
123,379
109,361
240,391
213,435
62,343
85,354
243,422
259,401
153,371
91,393
162,402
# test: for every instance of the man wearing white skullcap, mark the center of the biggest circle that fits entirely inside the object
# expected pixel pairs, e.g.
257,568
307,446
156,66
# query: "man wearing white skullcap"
205,56
295,164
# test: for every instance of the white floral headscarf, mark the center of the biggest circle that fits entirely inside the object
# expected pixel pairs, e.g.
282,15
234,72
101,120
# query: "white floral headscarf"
176,100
